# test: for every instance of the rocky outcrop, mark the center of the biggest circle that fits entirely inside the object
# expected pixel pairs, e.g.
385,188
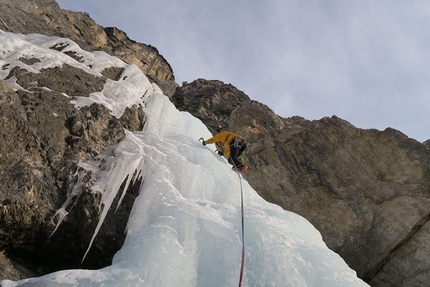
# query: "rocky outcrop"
46,17
43,138
366,191
210,101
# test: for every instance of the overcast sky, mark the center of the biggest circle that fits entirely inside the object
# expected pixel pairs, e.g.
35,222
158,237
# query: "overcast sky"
365,61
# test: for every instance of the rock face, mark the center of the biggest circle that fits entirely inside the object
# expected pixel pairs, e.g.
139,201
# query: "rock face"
46,17
211,101
366,191
43,138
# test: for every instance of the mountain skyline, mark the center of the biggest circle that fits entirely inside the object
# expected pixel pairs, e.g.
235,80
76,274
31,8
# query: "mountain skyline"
365,62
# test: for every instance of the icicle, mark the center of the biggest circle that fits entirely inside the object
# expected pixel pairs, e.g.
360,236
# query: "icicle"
72,198
125,165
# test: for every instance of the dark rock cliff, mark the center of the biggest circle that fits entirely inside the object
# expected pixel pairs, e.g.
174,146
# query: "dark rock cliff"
44,136
211,101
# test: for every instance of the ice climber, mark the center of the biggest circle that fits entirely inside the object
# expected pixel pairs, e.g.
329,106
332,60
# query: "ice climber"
230,145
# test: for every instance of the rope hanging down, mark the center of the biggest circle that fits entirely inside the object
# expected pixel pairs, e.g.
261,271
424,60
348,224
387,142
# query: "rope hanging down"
242,268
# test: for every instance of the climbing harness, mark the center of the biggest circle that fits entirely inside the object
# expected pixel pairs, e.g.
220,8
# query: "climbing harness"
242,268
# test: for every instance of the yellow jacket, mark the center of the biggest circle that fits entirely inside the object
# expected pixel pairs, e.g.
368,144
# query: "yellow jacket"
224,139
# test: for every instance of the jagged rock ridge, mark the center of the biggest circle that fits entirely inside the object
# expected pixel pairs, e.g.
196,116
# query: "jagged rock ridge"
46,17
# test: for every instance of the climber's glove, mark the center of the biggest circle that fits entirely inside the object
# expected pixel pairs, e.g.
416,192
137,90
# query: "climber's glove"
220,153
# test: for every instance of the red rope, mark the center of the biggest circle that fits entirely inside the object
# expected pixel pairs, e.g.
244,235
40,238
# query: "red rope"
242,268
